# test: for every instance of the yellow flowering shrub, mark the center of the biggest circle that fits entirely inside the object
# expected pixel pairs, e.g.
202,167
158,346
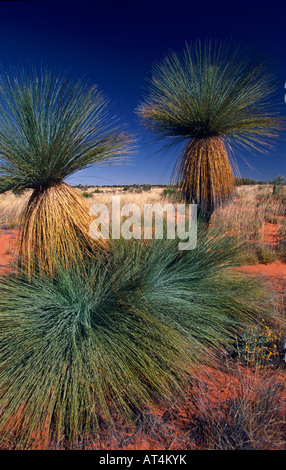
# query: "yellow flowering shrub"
261,345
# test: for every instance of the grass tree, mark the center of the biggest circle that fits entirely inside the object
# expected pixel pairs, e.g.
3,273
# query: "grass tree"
50,128
217,100
109,339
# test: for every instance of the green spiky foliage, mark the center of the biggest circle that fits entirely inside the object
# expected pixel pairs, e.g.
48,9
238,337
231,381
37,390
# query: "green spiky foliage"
51,127
115,337
218,100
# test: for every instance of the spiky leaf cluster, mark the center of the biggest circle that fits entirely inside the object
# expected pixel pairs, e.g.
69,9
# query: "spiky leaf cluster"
52,126
211,89
116,335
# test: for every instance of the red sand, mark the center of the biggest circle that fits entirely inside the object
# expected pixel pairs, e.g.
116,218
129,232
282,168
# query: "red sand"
8,248
270,233
277,269
8,245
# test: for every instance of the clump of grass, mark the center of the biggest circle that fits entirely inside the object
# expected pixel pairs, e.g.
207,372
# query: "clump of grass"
115,335
261,253
258,253
243,218
252,418
266,254
87,351
97,191
172,193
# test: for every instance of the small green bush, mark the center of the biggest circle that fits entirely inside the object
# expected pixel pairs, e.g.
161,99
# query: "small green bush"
172,193
146,187
116,335
261,345
257,253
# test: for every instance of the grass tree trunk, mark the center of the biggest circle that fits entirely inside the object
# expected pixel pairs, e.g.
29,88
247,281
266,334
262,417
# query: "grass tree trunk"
205,175
55,226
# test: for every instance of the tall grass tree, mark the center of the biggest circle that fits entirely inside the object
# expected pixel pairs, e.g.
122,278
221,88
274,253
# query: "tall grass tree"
218,100
51,127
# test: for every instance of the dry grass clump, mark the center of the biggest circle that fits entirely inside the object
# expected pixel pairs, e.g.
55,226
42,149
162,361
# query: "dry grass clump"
204,174
12,207
55,225
248,217
251,416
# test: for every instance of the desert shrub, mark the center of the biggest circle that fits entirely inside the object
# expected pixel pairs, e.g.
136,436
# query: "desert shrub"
266,254
117,334
278,184
87,194
172,193
257,253
146,187
97,191
262,345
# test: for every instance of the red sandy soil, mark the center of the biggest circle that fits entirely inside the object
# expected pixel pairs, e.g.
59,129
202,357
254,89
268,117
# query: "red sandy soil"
8,248
169,432
212,389
276,270
270,233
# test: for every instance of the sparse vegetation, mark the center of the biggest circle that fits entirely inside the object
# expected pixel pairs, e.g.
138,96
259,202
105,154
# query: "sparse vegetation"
251,416
209,426
173,194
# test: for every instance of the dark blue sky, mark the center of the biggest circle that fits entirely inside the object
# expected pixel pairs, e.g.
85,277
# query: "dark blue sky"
114,43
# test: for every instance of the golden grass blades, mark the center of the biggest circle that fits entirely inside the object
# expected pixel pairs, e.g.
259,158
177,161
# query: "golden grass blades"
204,173
55,226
